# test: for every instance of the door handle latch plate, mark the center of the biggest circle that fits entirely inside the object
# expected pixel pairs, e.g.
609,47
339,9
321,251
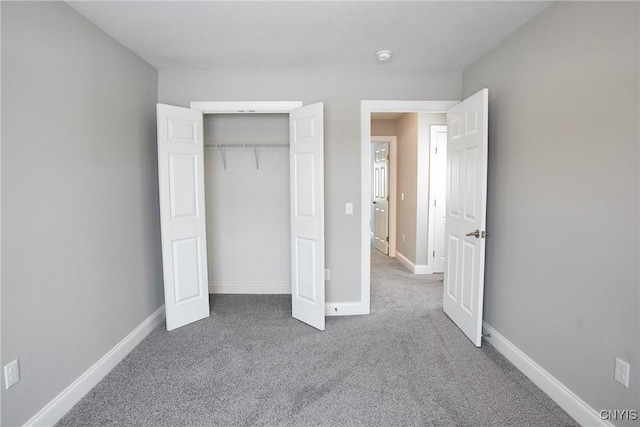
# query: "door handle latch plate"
474,233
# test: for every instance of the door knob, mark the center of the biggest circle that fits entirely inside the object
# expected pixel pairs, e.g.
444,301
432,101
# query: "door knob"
474,233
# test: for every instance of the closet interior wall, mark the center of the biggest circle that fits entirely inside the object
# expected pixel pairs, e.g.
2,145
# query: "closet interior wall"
247,203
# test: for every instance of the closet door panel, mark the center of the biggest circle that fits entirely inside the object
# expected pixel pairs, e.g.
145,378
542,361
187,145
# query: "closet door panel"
182,216
307,214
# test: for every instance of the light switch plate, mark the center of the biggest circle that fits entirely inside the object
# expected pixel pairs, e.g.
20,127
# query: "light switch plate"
349,208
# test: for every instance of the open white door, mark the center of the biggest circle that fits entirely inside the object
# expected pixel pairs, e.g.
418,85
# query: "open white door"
438,197
306,127
182,219
381,197
467,145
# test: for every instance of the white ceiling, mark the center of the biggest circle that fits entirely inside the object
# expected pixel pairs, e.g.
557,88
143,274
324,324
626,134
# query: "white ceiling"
423,35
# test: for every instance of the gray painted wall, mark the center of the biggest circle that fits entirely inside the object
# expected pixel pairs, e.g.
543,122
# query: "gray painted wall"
80,242
562,260
341,90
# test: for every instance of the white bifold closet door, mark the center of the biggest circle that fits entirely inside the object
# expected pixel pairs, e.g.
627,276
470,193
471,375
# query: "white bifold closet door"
183,224
467,150
182,219
306,151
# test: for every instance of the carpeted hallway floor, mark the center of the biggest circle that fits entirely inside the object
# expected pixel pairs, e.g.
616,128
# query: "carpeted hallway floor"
250,363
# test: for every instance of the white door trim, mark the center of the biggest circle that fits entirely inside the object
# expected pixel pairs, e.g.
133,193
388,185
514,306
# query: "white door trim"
366,108
252,107
262,107
393,168
247,107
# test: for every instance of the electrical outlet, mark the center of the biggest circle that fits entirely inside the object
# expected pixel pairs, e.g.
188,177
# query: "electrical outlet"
622,372
11,373
327,274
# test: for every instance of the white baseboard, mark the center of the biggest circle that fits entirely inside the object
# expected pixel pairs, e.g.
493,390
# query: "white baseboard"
563,396
344,309
405,261
415,269
250,288
71,395
421,269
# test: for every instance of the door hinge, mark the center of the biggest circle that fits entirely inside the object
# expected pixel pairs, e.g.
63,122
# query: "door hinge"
434,254
436,150
387,198
434,202
388,157
387,238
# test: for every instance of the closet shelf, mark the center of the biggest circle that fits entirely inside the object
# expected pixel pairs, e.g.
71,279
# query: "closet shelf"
255,147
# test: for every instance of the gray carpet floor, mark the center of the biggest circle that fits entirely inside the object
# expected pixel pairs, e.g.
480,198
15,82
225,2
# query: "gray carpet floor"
251,364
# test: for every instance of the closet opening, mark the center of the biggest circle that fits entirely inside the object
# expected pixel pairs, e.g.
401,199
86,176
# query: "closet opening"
247,203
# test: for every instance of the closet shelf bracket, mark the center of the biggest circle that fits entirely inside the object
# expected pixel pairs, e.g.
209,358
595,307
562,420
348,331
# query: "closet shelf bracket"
223,154
255,151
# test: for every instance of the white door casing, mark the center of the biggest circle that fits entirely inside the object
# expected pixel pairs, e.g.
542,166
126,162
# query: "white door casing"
306,128
467,146
182,216
437,198
381,197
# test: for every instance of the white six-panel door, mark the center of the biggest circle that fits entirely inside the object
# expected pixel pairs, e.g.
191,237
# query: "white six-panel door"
438,190
467,145
182,219
307,214
380,197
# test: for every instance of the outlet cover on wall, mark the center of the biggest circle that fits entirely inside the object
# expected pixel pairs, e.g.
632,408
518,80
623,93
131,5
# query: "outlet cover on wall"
622,372
11,373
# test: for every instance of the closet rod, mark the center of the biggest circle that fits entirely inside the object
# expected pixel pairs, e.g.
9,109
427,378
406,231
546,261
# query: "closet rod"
255,147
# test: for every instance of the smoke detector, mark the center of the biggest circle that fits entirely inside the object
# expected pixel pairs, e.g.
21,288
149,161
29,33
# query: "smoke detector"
384,55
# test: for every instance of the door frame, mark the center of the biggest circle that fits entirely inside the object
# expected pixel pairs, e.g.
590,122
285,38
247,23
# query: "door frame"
252,107
247,107
366,108
393,159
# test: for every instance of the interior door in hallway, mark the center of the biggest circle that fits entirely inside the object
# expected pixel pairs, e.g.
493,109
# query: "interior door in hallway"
182,219
438,197
467,145
381,197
